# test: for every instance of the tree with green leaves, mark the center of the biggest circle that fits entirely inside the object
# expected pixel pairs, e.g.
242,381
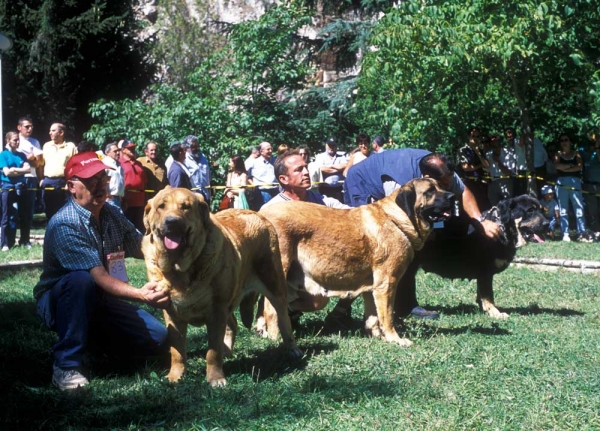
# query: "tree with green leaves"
236,98
438,67
65,53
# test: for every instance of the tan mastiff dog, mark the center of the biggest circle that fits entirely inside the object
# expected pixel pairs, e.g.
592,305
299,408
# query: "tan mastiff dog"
329,252
208,263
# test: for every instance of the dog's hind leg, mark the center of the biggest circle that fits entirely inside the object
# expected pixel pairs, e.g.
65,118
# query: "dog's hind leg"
276,308
230,333
406,296
370,317
261,327
275,291
247,308
485,297
177,335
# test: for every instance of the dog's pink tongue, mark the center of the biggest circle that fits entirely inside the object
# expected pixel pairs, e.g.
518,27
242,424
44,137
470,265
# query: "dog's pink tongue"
172,243
538,238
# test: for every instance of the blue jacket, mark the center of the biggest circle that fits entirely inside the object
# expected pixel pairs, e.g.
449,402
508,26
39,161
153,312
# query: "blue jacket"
365,180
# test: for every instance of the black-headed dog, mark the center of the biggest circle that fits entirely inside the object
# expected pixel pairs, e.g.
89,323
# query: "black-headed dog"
474,256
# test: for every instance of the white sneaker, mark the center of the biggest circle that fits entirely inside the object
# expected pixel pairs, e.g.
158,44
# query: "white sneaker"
566,238
421,313
5,248
68,379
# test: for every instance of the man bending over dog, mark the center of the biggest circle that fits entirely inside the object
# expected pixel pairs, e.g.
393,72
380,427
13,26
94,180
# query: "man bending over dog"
78,296
379,175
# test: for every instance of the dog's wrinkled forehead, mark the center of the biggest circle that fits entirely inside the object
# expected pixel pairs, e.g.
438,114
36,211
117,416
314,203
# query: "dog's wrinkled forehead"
527,205
424,185
174,201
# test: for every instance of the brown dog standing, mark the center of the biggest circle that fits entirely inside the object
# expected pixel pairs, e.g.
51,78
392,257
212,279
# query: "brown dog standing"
330,252
208,263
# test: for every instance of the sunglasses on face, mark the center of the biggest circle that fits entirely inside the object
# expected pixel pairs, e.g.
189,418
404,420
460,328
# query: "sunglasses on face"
91,183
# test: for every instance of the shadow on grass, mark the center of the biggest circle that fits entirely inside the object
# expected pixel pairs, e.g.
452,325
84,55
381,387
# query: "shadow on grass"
268,363
532,309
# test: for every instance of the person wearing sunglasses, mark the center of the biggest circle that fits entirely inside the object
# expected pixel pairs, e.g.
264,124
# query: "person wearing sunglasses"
32,149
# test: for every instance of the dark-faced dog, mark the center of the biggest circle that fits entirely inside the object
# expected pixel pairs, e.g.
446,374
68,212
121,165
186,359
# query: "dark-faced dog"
475,256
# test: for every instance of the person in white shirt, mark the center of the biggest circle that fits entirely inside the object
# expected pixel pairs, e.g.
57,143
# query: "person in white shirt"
255,154
32,149
262,173
116,185
332,164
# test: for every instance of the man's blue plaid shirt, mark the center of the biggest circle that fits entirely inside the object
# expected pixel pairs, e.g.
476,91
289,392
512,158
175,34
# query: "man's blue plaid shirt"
74,241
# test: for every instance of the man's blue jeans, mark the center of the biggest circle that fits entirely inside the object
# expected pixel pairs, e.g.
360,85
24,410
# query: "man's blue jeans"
85,317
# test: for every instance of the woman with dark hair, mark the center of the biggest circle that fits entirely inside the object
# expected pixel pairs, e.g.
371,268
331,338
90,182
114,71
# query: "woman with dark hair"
361,152
569,166
237,179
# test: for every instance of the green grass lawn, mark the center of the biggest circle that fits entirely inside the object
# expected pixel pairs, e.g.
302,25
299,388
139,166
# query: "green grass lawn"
538,370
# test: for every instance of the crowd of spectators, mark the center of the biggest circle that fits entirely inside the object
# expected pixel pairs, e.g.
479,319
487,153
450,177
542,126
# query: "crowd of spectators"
567,178
494,167
33,176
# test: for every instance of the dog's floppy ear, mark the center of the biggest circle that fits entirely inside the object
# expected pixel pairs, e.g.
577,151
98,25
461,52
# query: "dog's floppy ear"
407,198
203,208
506,206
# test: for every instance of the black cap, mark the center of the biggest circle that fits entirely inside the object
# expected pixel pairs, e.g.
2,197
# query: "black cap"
332,140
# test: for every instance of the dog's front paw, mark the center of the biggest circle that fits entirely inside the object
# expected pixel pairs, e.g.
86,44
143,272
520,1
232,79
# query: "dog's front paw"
494,313
218,383
174,375
404,342
372,328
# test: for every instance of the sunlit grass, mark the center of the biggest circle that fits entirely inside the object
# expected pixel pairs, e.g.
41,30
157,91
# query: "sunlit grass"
537,370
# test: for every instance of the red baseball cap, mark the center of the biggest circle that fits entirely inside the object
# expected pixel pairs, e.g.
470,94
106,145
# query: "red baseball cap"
84,165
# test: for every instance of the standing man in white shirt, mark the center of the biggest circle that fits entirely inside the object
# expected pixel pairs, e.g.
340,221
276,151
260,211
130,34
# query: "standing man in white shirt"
32,149
116,184
263,173
332,164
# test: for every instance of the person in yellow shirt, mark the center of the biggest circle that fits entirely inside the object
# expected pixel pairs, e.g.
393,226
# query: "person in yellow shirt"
156,172
57,153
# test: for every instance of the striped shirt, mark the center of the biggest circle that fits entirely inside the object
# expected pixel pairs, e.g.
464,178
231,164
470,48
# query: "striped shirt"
74,241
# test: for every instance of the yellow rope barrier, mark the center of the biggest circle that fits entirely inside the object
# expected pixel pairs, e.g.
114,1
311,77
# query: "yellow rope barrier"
250,186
